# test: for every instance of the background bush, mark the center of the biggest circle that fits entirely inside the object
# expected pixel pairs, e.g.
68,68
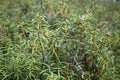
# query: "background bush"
59,40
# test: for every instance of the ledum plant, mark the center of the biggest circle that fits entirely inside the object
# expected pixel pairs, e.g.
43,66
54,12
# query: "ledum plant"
66,46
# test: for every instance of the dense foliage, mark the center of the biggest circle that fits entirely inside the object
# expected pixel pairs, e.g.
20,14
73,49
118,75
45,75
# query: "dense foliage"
59,40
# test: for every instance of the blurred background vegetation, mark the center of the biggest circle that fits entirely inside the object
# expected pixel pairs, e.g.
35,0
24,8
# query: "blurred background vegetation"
59,40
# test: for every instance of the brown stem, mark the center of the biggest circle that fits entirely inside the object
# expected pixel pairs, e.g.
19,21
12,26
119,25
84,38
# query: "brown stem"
23,32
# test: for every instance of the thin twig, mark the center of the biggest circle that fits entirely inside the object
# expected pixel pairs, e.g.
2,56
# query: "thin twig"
79,67
23,32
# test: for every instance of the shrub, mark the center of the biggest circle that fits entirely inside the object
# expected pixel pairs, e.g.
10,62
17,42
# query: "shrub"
71,42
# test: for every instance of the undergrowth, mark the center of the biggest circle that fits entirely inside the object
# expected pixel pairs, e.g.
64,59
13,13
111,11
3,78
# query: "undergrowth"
59,40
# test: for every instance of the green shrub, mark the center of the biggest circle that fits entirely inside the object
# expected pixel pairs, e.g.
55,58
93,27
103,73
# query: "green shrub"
59,40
